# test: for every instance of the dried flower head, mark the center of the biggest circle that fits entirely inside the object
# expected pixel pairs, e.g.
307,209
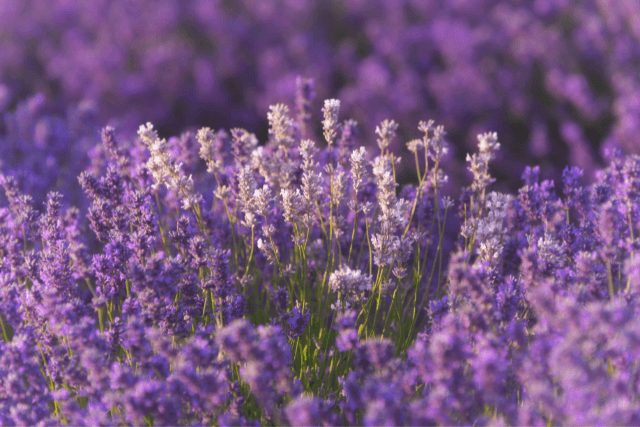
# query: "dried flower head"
280,125
386,133
209,149
358,170
330,122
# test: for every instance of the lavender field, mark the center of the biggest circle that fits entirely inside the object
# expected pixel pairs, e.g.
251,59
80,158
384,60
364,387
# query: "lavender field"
385,212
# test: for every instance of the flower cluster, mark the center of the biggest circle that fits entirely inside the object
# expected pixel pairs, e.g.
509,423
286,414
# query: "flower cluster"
164,169
353,285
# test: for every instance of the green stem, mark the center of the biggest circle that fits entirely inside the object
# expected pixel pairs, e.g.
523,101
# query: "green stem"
353,232
393,299
5,335
246,271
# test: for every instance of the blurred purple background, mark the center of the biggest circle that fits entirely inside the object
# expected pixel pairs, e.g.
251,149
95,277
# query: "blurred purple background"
557,79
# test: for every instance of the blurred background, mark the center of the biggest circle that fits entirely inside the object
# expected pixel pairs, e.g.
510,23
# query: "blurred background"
557,79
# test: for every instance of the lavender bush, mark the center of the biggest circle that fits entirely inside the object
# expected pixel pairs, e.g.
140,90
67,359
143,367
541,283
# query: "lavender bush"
277,273
215,279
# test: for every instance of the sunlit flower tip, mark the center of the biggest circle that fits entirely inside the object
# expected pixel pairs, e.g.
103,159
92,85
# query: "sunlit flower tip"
386,132
222,192
399,272
307,148
414,145
280,123
488,142
427,126
330,122
358,168
146,132
447,202
346,281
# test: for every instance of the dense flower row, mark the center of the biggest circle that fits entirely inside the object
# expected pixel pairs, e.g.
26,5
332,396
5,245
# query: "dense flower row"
211,279
556,77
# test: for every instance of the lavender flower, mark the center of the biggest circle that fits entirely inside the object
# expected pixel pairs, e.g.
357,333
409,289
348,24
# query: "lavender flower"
351,284
386,133
490,232
164,169
330,123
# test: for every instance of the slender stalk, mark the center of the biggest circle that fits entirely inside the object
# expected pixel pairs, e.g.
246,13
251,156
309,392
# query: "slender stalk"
246,271
5,335
353,232
370,251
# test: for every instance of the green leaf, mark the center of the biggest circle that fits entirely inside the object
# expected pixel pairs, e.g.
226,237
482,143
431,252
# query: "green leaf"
360,329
